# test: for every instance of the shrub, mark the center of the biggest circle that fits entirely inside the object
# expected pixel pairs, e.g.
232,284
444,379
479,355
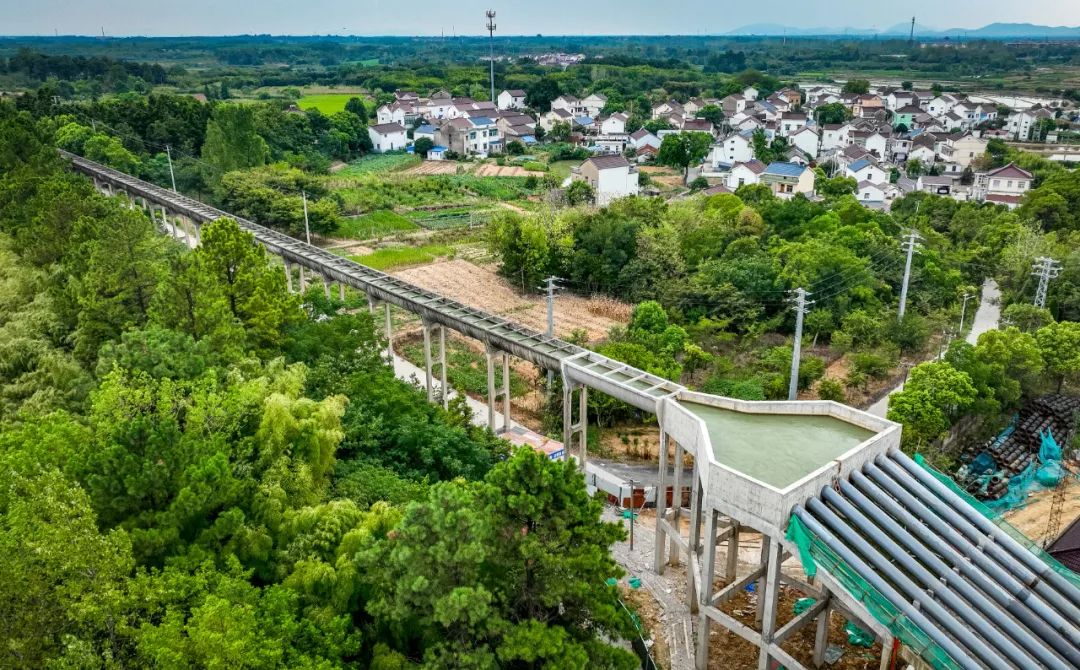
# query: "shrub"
831,389
871,364
534,166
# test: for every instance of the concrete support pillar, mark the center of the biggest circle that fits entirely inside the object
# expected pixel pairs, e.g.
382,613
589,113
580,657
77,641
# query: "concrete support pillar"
427,363
389,333
288,275
676,504
694,538
760,585
341,291
198,233
771,596
580,428
491,388
732,563
661,502
506,391
303,281
326,287
886,652
821,637
442,368
583,415
707,567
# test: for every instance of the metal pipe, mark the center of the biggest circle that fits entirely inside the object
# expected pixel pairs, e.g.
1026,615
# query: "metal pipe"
980,522
909,589
983,618
885,511
955,652
997,549
972,552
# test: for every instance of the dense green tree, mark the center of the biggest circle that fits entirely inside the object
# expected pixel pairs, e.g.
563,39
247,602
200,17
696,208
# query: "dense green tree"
933,395
682,150
1059,345
232,139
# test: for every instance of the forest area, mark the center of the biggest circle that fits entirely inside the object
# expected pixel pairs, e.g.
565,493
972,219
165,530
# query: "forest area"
200,469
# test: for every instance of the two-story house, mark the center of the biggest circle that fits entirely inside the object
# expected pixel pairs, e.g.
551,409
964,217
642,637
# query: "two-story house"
387,137
788,179
512,99
1007,185
611,177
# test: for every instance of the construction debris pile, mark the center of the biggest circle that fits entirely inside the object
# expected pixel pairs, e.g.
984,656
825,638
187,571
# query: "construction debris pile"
1026,453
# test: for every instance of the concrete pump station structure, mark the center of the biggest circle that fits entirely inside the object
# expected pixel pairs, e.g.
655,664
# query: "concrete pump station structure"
882,539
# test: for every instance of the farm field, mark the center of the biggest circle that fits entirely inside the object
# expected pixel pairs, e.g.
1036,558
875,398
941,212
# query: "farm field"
381,222
399,257
482,288
378,163
327,103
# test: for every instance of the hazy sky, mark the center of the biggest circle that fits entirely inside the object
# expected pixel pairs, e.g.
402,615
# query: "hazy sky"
426,17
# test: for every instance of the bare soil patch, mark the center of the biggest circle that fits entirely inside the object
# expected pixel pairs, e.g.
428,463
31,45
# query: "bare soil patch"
489,170
482,288
1031,519
434,167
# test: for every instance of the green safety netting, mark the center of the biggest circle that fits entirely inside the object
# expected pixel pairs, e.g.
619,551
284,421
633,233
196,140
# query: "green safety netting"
814,553
995,516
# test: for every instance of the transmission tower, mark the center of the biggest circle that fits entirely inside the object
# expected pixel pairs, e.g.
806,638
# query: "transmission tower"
1045,269
801,305
491,43
911,37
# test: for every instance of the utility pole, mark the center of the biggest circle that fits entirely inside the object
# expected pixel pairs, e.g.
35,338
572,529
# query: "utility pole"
491,43
1045,269
911,38
909,244
307,227
801,304
172,175
963,310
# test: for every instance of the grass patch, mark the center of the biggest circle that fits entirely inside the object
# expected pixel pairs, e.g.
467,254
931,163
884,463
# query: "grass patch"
465,369
327,103
397,257
561,169
378,163
382,222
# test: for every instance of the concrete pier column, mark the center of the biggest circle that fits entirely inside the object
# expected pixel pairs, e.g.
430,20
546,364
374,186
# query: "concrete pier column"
661,502
427,362
762,582
506,391
583,433
694,538
198,233
326,287
707,567
303,282
732,562
442,368
676,504
491,387
389,333
771,597
821,637
288,275
341,291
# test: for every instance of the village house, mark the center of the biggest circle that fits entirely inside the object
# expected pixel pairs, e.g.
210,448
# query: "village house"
556,115
870,194
938,185
593,104
807,140
1006,185
387,137
733,149
787,179
512,99
475,136
791,122
666,109
641,138
747,173
611,177
614,124
1022,123
867,170
967,148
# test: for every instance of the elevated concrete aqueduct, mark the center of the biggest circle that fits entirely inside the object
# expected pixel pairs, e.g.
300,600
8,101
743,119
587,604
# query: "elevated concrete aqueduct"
896,550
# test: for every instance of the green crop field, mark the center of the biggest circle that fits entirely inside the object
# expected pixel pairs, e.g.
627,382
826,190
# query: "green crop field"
376,163
327,103
381,222
397,257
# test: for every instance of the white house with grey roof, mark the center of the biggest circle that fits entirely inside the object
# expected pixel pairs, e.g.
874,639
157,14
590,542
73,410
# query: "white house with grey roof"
611,177
511,99
387,137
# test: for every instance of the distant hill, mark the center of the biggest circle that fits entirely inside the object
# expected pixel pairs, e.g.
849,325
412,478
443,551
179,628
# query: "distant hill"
993,31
